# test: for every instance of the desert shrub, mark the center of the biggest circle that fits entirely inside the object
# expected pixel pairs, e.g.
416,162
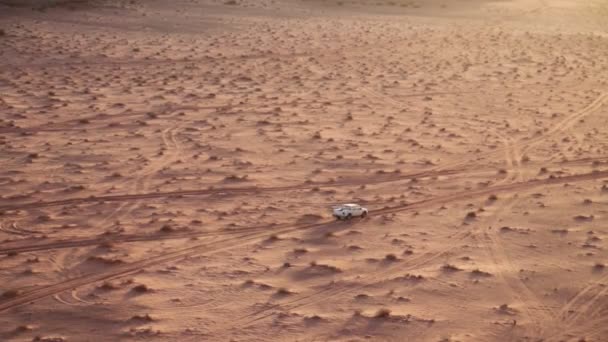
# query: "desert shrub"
383,313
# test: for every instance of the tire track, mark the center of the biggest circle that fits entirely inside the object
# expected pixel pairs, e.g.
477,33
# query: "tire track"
241,240
385,210
496,251
510,157
170,143
576,304
67,125
87,242
572,312
520,186
328,293
526,145
14,229
446,169
242,190
336,289
142,177
567,122
517,288
167,111
77,301
122,270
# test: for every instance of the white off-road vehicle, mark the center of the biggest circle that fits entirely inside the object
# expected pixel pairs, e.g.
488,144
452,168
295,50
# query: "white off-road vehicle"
349,210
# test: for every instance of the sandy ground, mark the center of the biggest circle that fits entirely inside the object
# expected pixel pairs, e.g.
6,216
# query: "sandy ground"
168,169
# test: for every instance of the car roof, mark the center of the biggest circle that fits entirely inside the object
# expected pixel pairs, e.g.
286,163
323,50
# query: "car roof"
351,205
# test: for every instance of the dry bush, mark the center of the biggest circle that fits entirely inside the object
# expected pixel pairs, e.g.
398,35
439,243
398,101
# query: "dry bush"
11,293
313,318
383,313
391,257
142,288
583,218
300,251
24,328
450,268
479,273
273,238
107,286
144,318
44,218
167,228
283,292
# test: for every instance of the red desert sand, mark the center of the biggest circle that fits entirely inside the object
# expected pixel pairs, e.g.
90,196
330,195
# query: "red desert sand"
169,170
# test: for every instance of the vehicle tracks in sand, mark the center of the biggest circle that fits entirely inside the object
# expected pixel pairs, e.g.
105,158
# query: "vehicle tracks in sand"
74,300
250,237
515,150
440,170
167,111
532,307
520,186
543,315
122,270
565,124
506,272
141,178
125,238
387,178
243,190
244,239
572,312
379,211
522,145
525,145
337,289
583,310
14,229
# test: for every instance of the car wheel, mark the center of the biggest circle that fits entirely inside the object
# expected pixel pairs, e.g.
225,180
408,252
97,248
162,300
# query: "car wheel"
349,216
364,214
